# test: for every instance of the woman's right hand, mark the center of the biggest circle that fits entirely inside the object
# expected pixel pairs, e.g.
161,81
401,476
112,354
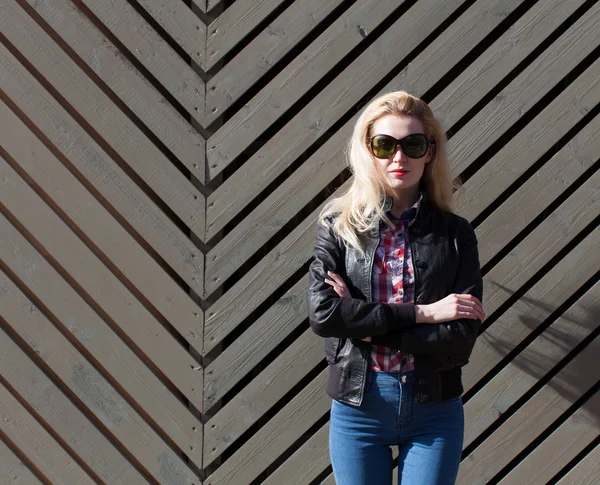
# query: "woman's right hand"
453,307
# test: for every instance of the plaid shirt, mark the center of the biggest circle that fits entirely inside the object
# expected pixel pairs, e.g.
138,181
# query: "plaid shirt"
393,282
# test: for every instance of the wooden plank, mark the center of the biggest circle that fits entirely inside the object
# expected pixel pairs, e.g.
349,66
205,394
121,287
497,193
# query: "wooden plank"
562,446
252,402
498,60
100,344
104,178
37,445
180,22
282,35
542,244
14,471
148,47
230,28
538,358
255,343
102,58
539,136
256,285
525,260
306,464
543,188
525,90
586,472
116,247
531,419
68,423
312,121
329,161
125,138
100,287
94,391
274,437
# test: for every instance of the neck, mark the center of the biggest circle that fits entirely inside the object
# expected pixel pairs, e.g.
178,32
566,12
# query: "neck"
404,200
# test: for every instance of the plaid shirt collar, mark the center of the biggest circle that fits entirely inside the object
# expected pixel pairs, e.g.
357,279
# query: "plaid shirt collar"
407,215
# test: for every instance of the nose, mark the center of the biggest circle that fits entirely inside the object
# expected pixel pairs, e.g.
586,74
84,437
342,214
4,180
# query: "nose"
398,155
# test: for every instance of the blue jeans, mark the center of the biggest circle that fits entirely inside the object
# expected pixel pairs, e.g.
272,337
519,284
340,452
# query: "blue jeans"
429,435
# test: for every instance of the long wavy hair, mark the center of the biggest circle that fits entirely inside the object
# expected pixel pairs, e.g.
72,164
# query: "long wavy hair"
361,208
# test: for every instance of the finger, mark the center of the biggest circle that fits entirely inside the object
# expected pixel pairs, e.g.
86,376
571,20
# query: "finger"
469,297
336,278
473,312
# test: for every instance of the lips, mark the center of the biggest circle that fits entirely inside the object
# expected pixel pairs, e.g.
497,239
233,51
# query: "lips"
398,172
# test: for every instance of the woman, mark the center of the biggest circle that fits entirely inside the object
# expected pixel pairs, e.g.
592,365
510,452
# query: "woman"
395,287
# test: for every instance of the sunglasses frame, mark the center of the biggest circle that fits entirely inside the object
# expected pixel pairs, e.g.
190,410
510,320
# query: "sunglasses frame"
398,143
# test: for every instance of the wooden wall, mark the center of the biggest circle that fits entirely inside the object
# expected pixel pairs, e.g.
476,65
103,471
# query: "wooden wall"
162,164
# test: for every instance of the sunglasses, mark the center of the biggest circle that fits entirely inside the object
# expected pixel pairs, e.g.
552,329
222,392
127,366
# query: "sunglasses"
413,146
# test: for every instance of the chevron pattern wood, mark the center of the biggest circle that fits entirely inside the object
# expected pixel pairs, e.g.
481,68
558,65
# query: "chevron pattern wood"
162,168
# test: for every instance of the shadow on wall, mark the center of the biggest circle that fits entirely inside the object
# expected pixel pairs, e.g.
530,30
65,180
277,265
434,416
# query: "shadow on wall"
545,351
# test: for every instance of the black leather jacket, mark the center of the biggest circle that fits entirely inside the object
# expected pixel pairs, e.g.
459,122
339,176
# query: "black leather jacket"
445,261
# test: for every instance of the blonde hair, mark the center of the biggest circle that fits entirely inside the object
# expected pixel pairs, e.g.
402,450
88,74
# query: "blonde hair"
361,208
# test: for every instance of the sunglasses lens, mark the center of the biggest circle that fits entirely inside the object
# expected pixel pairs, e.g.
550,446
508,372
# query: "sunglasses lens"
383,146
414,146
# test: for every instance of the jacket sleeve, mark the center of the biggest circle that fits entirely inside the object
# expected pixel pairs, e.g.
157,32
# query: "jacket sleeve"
454,339
332,316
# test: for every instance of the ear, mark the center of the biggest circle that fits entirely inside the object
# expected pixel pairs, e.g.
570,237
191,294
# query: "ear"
430,152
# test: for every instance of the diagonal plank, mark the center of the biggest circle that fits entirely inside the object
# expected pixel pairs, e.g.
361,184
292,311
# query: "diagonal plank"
260,395
532,418
103,345
118,248
118,304
260,282
312,121
286,427
524,261
518,377
306,464
180,22
328,162
504,55
125,138
543,188
146,45
129,258
68,423
85,382
295,80
15,472
526,89
232,26
33,441
257,58
537,138
128,83
585,472
255,343
105,179
562,446
570,218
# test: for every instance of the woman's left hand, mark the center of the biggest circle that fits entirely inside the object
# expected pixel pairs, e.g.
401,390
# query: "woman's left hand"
340,287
